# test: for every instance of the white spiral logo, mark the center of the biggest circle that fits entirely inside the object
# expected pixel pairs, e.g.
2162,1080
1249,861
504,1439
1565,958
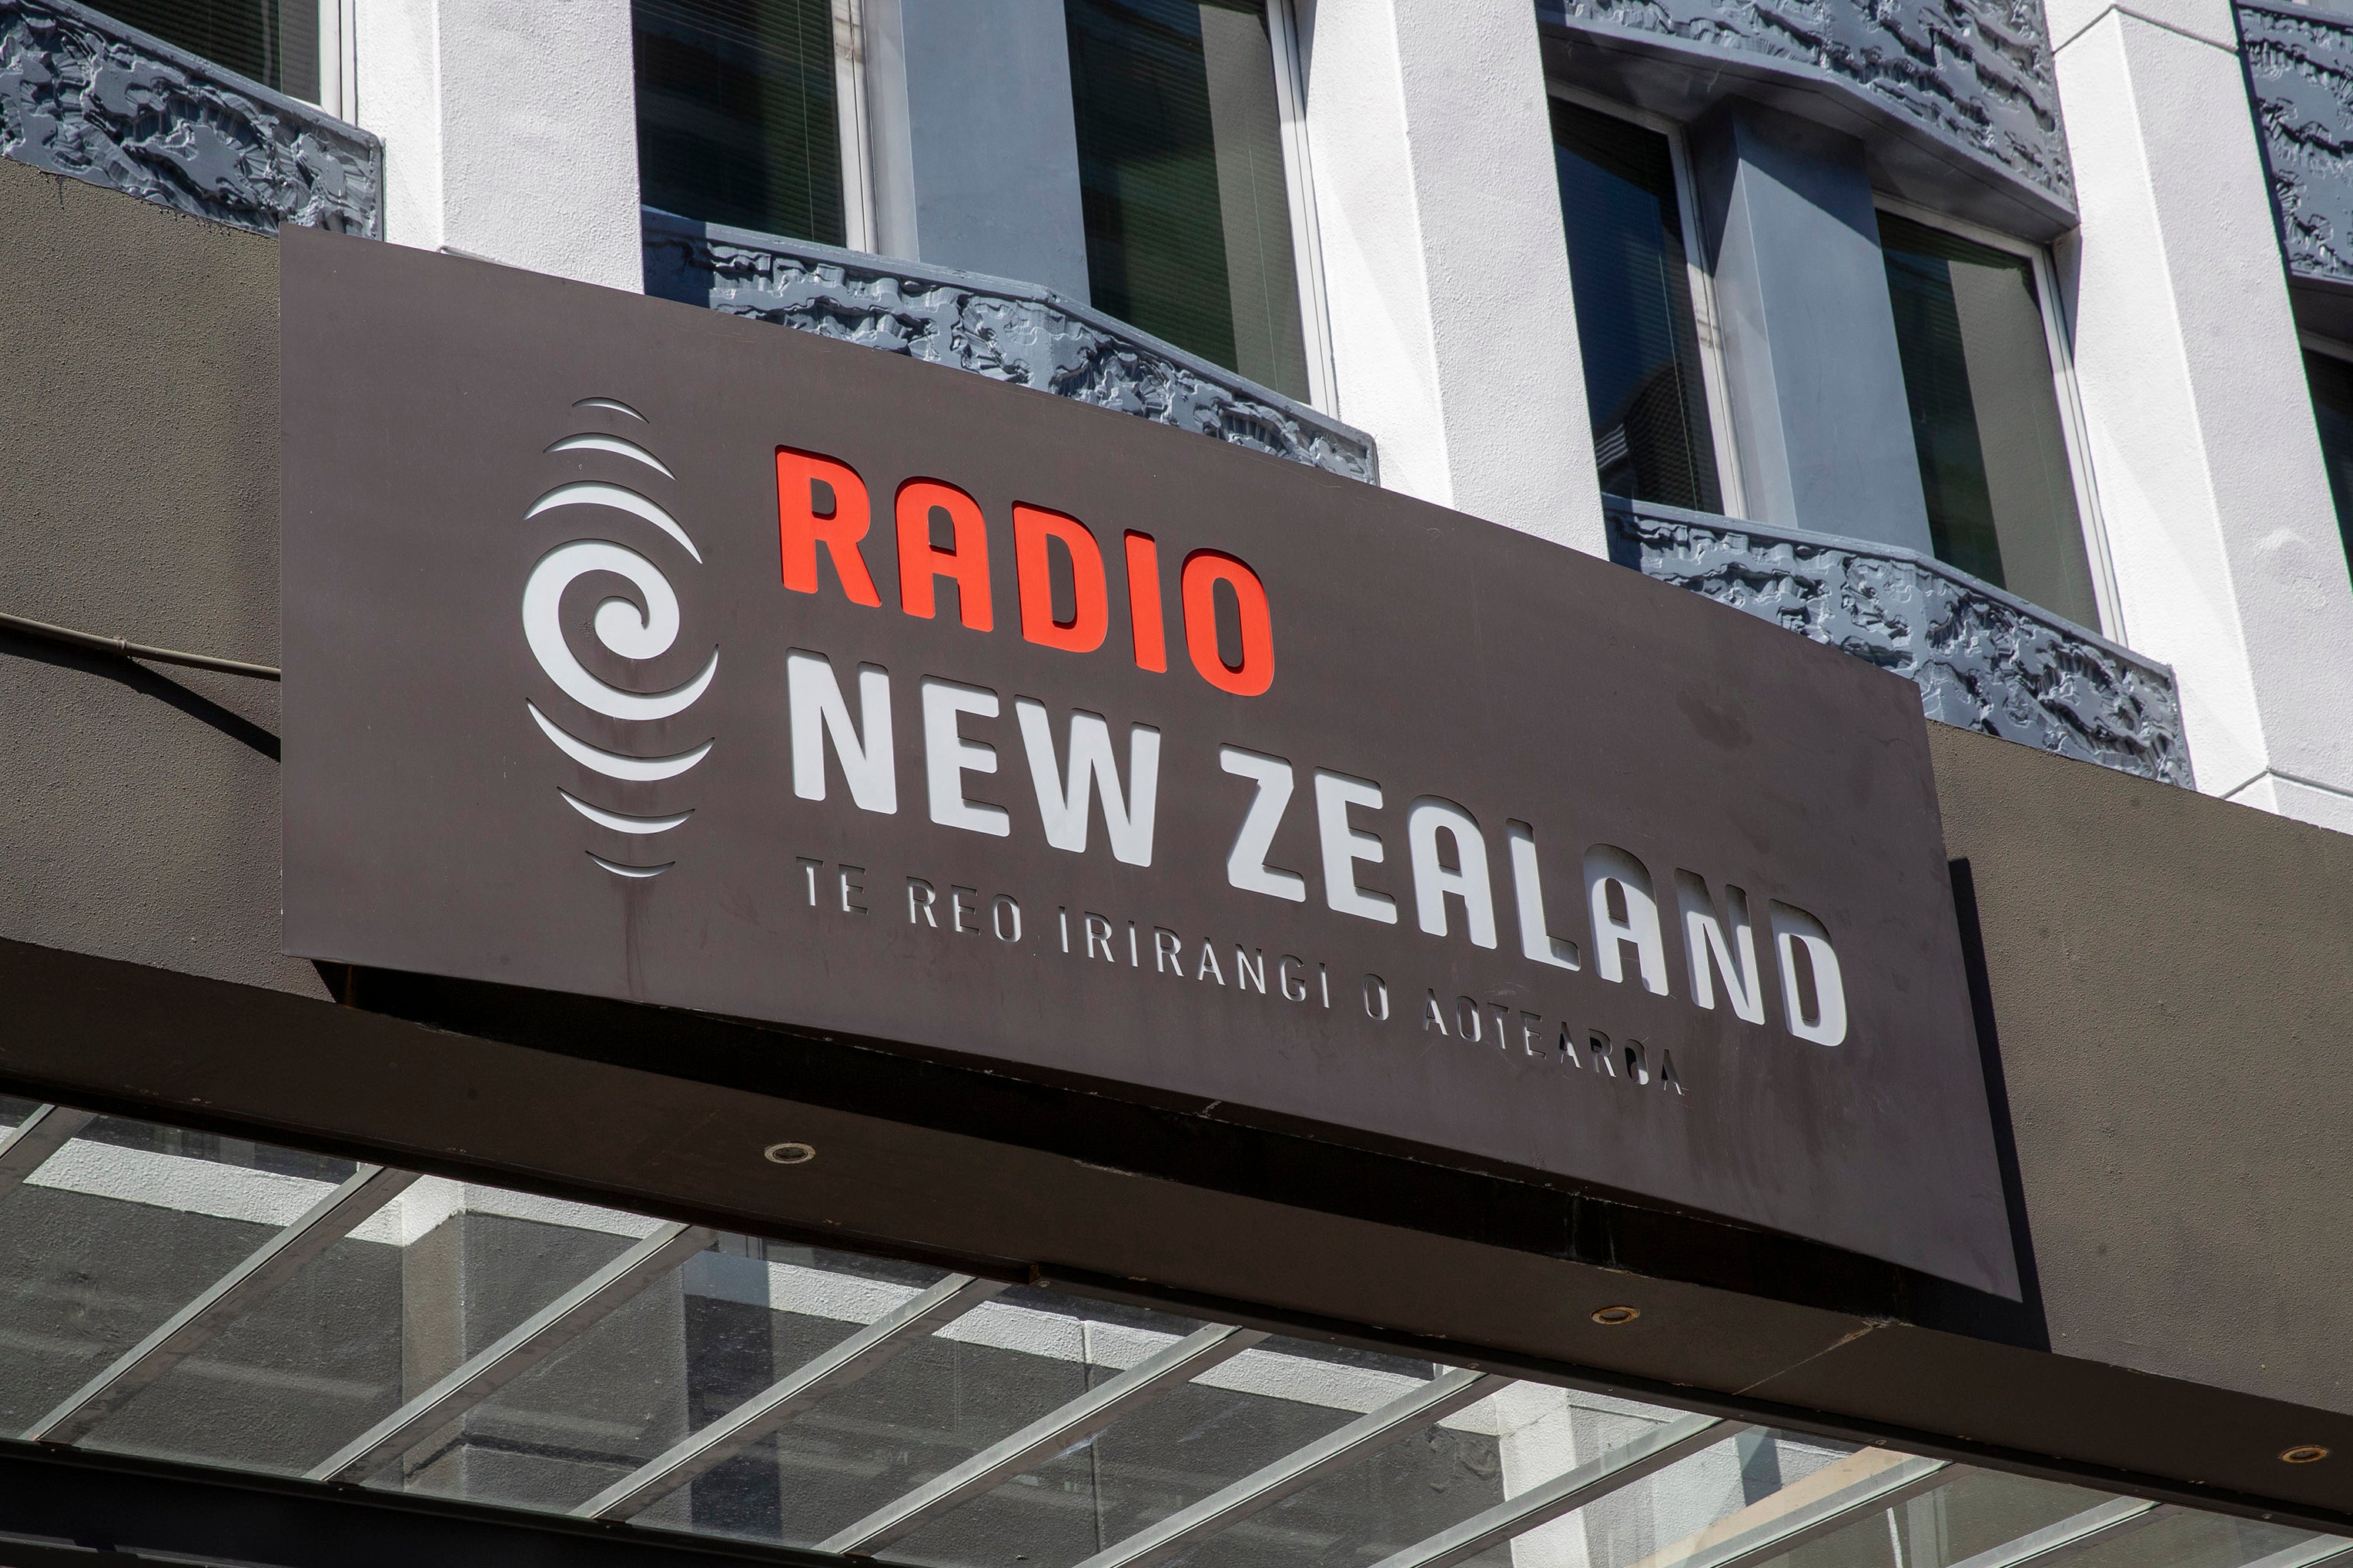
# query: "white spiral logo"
619,627
625,630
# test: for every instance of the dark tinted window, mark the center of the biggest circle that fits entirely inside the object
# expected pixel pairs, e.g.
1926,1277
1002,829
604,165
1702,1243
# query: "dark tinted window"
275,42
1181,180
2332,408
1985,418
1632,283
736,114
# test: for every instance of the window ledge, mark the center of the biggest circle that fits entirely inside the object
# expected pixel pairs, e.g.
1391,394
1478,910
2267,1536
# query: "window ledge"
1004,329
1984,660
82,94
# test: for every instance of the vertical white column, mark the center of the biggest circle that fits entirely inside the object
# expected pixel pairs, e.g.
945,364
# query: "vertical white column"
510,130
1454,329
2227,558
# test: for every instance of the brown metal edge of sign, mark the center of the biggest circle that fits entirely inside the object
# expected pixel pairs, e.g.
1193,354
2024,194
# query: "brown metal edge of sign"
957,399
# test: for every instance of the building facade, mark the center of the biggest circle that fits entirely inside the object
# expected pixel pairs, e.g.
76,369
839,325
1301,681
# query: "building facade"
2003,348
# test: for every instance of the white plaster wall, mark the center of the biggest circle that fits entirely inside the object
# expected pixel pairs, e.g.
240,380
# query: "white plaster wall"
510,130
1454,329
2227,557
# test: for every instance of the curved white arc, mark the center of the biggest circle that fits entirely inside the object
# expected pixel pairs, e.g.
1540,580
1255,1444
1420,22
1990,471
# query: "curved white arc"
620,870
620,627
618,822
596,492
590,442
613,764
615,403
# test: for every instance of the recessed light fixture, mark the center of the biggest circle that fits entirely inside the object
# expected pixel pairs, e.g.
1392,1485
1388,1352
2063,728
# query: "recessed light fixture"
789,1153
2303,1454
1610,1317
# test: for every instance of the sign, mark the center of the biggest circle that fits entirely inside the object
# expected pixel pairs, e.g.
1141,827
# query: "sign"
637,650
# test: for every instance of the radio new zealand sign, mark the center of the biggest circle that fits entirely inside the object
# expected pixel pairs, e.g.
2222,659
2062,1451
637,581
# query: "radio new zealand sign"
637,650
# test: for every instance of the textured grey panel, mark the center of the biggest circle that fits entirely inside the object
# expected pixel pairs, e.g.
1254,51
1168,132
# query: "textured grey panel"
81,94
1983,659
2300,71
1003,330
1974,74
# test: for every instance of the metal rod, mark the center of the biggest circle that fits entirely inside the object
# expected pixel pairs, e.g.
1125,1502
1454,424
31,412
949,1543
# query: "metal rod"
2094,1525
186,1331
1052,1434
1360,1439
49,1129
844,1364
519,1350
1565,1493
1810,1520
124,648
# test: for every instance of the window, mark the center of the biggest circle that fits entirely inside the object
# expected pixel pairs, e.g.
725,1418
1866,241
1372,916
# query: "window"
738,114
275,42
1631,274
2331,378
1985,419
1182,179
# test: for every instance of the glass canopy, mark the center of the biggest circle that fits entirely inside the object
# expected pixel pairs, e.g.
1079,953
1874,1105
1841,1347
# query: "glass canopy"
188,1298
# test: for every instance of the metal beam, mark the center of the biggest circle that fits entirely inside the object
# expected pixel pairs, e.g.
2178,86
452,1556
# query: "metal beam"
231,1296
2308,1553
519,1350
1055,1433
2115,1517
1360,1439
1811,1521
844,1364
35,1139
1565,1493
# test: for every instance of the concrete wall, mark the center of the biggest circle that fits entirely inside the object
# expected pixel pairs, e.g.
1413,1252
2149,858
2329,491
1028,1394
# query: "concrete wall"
510,130
2227,556
1453,329
142,418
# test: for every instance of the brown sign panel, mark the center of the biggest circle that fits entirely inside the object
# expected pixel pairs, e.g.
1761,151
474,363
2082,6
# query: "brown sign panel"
637,650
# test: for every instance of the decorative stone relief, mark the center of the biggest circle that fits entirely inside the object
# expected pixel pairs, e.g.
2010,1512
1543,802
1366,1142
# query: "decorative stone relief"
81,94
1974,73
1983,659
2300,71
1006,331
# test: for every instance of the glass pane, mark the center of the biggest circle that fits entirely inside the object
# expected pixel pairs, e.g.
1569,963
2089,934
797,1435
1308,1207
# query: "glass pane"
275,42
1181,180
118,1230
1229,1422
1631,279
434,1276
1980,1510
736,114
2332,408
691,1348
1985,418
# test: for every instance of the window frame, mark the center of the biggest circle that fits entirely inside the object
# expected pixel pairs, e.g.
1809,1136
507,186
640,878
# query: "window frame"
2074,430
339,77
854,128
1733,495
1288,47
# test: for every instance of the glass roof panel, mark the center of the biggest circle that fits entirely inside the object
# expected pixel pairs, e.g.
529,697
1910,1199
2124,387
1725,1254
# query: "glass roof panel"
295,1314
1214,1430
430,1278
669,1362
117,1230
